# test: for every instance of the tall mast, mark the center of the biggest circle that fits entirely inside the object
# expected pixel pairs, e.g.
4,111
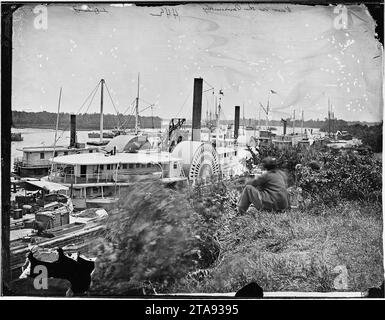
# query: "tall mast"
137,111
293,120
268,110
215,110
333,123
101,109
329,116
243,116
57,118
214,102
219,112
218,115
57,126
302,123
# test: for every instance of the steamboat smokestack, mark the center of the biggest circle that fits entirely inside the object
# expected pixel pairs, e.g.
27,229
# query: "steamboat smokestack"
236,121
197,110
73,139
284,126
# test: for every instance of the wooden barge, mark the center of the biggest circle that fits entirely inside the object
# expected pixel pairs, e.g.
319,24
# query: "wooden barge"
73,237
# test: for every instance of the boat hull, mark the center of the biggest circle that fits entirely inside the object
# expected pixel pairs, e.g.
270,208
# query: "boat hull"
32,172
76,237
105,203
16,137
98,143
106,135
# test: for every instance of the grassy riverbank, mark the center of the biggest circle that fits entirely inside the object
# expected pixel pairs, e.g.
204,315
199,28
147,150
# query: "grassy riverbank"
166,243
190,238
297,250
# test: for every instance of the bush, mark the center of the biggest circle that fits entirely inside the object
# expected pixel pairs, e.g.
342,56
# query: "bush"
153,237
342,176
159,235
211,202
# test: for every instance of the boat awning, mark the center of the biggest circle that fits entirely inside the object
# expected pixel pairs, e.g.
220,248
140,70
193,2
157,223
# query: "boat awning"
120,157
48,186
126,143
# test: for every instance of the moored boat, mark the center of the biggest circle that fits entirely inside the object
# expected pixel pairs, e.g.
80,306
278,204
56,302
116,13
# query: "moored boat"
16,136
100,178
106,135
35,160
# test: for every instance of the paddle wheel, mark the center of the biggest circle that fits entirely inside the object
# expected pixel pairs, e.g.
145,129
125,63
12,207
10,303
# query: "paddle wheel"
200,160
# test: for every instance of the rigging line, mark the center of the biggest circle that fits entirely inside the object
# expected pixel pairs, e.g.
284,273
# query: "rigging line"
132,112
93,96
129,114
212,87
146,108
207,106
93,92
113,104
132,105
222,113
92,99
183,105
95,89
145,101
57,119
112,101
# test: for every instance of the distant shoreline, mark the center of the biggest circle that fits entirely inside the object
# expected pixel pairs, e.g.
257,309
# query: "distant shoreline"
67,128
47,120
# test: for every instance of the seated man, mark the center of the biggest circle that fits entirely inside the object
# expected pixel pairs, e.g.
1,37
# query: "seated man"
267,192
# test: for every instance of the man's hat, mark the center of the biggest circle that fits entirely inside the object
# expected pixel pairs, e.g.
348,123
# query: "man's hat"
269,163
314,165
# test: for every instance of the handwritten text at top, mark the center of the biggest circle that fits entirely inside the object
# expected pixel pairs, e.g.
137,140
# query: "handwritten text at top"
242,7
167,12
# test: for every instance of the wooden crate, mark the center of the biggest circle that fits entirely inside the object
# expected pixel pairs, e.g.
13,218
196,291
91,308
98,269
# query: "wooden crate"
53,219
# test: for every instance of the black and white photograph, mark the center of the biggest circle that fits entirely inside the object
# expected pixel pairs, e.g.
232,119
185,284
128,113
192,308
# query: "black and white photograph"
195,149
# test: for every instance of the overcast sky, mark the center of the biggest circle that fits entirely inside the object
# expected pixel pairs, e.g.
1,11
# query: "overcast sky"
296,51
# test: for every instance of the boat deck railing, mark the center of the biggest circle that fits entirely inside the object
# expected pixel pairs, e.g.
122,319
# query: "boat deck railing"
70,178
30,163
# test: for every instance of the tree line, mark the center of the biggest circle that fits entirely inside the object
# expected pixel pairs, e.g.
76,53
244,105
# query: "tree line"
86,121
274,123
